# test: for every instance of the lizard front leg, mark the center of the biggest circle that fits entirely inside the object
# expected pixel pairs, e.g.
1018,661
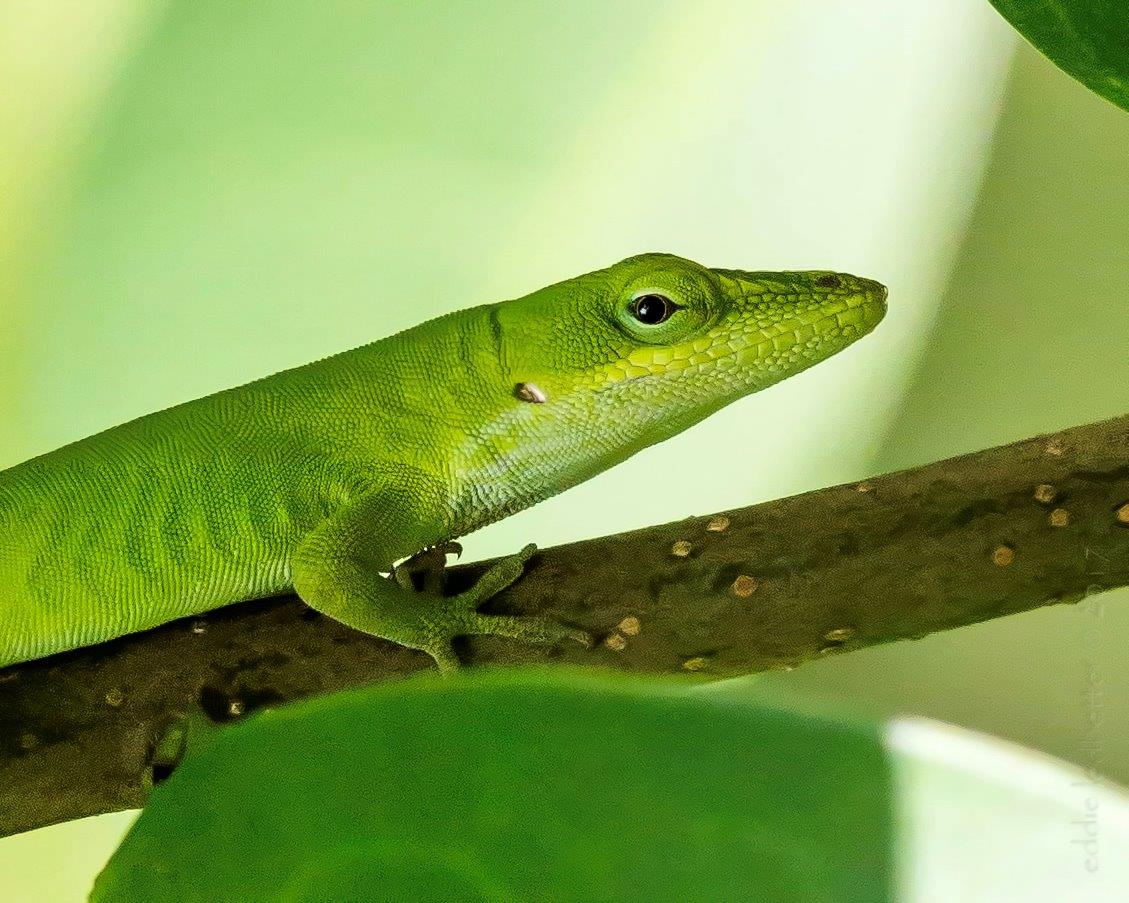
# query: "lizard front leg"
337,571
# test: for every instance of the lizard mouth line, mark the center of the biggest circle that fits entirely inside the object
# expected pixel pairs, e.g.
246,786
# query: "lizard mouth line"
868,303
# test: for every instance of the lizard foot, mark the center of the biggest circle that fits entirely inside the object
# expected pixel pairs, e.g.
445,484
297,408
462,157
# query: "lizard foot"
430,564
415,612
460,617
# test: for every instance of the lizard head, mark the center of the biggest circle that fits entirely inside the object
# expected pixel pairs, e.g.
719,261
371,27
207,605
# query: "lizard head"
602,365
678,339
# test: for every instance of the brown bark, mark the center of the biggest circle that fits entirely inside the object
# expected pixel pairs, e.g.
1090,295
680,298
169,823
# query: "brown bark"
770,586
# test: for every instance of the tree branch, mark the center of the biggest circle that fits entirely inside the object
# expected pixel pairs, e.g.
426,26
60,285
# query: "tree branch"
770,586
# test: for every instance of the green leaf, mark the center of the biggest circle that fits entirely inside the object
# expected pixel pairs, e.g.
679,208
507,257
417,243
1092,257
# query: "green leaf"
519,786
1089,39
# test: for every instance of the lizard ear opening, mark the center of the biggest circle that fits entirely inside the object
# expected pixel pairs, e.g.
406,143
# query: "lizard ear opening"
530,392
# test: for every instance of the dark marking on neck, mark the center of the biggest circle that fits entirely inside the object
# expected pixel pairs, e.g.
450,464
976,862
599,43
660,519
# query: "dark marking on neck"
498,338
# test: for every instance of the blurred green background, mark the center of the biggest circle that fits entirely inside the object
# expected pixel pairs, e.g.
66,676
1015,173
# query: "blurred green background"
197,193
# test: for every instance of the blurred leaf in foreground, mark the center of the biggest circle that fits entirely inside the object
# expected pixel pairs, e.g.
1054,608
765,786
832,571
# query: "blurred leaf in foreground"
1089,39
519,786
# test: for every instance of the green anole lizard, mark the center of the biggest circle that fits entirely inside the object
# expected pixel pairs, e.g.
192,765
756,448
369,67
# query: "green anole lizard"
321,478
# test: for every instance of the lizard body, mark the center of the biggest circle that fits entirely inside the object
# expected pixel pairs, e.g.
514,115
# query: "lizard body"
322,477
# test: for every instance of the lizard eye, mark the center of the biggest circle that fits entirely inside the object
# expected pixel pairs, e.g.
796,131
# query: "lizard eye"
652,309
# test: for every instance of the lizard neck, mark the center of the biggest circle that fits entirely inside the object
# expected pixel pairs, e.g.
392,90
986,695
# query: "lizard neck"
511,449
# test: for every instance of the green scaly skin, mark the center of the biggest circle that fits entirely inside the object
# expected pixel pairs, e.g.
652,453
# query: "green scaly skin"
320,478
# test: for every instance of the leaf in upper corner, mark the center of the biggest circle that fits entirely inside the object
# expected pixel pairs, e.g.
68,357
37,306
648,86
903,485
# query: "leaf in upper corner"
1089,39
